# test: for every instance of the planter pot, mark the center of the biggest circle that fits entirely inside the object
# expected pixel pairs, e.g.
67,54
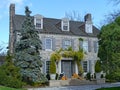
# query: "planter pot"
98,75
52,76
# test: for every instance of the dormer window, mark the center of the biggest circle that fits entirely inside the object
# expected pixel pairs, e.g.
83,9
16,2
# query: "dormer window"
65,24
38,21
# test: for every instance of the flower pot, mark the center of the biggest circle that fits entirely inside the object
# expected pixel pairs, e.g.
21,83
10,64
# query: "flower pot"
98,75
52,76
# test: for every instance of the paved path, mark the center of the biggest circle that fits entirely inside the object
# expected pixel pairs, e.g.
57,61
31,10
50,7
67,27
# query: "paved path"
82,87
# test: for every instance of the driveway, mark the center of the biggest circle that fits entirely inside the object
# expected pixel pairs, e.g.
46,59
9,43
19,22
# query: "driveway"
82,87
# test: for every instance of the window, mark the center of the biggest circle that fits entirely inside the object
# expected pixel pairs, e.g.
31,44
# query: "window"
38,24
66,44
85,66
85,46
38,21
47,66
48,44
81,44
95,46
65,24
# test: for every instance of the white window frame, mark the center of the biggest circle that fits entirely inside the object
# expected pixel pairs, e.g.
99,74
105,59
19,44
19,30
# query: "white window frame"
85,46
48,49
65,22
85,68
67,44
97,47
47,67
38,17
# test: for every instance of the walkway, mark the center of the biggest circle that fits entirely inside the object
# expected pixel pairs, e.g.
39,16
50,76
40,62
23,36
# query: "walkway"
82,87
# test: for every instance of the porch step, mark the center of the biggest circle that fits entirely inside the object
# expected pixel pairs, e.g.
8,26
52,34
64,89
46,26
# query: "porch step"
70,82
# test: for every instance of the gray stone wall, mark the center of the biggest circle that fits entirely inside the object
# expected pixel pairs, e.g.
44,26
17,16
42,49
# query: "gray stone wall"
89,56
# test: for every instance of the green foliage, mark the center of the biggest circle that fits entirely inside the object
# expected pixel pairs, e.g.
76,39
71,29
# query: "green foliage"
88,76
52,65
9,74
69,53
109,88
78,56
27,55
8,88
98,66
109,48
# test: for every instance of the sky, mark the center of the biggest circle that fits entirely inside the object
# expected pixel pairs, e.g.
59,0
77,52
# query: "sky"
53,9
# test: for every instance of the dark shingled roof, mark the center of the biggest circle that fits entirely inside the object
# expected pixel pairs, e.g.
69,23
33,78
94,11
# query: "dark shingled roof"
53,26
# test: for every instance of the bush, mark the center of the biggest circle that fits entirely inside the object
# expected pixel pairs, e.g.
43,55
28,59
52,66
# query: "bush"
88,76
9,81
98,66
48,76
52,67
9,74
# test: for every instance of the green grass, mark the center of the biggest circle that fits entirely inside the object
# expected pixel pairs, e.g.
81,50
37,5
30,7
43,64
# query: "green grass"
112,88
7,88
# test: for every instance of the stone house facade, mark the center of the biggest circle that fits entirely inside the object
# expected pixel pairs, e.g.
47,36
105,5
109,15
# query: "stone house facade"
60,33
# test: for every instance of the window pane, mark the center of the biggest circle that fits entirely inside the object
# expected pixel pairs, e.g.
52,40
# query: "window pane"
38,24
85,66
65,27
67,43
48,43
85,46
47,66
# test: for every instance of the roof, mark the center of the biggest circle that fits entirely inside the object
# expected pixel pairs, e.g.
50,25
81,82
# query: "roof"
53,26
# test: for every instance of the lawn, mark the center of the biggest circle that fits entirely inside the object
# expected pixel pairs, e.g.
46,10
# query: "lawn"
112,88
7,88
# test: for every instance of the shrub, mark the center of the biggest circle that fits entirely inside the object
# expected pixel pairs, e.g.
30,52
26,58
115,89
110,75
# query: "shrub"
52,67
9,81
98,66
48,76
88,76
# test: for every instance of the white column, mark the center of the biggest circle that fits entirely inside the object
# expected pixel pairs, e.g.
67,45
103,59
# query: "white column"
59,67
76,68
92,65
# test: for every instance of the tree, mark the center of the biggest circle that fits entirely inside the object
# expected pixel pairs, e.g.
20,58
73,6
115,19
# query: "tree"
74,15
109,48
27,55
116,2
112,16
10,74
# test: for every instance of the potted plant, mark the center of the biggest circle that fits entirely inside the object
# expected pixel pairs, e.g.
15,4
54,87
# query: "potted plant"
98,69
52,69
54,58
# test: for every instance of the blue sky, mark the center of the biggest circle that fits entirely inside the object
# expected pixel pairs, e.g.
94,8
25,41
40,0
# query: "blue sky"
54,9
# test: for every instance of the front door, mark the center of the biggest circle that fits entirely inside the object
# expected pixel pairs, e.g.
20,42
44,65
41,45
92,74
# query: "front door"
66,67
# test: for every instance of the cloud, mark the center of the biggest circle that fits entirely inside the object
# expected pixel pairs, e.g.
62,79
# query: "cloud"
16,1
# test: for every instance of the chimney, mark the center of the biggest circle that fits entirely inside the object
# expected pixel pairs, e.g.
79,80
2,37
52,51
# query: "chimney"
12,10
88,17
11,35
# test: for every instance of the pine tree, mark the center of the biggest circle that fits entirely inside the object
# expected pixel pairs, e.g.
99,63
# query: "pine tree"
27,55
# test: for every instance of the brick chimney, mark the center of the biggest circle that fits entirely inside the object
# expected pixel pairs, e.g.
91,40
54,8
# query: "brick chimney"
11,35
88,23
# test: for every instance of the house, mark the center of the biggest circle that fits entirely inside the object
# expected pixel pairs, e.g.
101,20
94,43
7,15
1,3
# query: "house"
60,33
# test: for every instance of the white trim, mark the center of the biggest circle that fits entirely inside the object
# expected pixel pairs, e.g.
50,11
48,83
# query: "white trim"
51,44
40,17
65,24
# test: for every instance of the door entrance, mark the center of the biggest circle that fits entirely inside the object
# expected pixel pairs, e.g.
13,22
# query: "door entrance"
67,67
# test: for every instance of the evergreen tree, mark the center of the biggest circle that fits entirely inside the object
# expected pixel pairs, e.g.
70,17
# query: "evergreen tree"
10,74
27,55
109,48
